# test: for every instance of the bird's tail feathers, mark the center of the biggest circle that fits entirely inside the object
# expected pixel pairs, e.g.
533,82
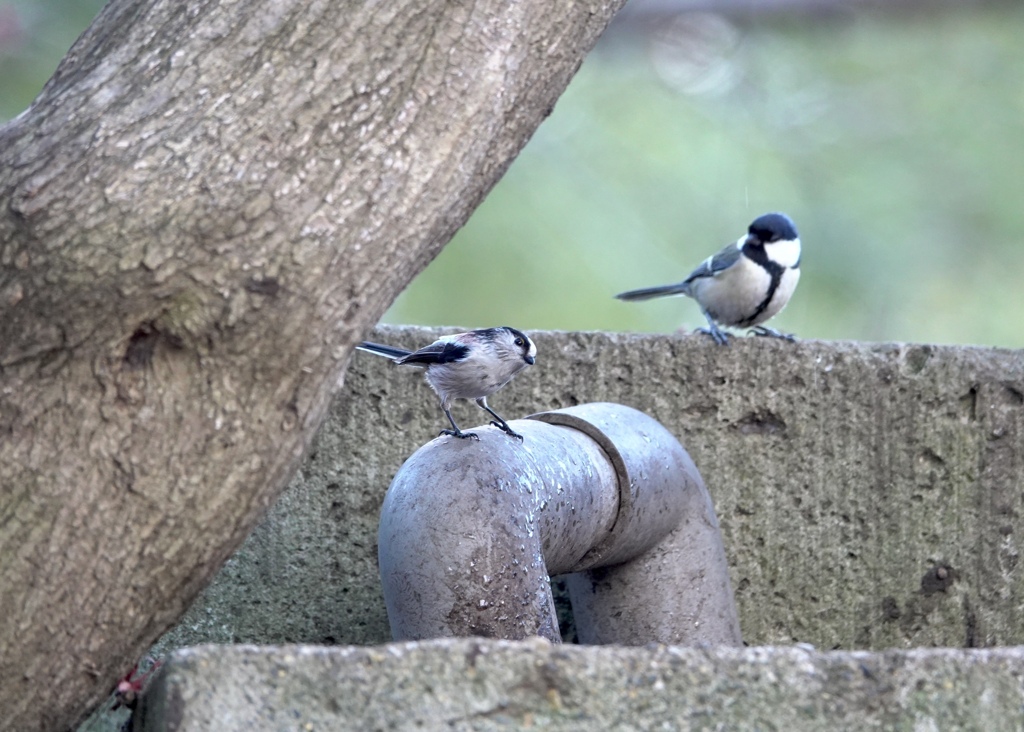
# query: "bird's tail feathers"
382,350
647,293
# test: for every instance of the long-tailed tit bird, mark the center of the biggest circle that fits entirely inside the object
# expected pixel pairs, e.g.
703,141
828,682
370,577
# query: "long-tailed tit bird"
470,365
746,283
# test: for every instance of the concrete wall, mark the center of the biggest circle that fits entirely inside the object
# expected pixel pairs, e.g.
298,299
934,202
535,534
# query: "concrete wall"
871,495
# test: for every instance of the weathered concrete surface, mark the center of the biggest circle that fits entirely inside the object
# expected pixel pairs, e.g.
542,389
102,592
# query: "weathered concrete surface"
477,684
871,495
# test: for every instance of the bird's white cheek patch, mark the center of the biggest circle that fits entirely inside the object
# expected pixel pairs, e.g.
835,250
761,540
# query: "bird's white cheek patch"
786,253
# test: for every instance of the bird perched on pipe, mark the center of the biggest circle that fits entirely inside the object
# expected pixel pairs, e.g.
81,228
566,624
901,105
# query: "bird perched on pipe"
471,365
746,283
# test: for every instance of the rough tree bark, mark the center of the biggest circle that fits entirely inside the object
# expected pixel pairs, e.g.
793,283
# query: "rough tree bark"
204,209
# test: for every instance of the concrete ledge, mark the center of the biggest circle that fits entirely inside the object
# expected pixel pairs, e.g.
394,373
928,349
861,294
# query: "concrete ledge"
475,684
870,495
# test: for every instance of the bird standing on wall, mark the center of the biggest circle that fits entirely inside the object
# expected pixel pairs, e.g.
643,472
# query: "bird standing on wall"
746,283
470,365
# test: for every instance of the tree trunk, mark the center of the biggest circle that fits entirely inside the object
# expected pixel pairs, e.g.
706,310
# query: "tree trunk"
208,204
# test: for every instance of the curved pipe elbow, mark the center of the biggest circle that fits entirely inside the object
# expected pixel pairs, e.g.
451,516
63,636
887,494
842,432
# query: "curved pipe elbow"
471,532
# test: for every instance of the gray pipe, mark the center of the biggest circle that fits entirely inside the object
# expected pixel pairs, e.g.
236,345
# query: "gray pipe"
471,531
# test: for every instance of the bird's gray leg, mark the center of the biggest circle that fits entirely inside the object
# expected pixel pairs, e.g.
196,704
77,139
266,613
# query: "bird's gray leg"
455,431
761,330
500,423
720,336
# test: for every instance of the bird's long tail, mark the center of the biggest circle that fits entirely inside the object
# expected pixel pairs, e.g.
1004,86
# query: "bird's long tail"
382,350
680,288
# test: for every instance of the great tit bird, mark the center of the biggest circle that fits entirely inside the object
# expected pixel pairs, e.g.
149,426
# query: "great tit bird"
470,365
746,283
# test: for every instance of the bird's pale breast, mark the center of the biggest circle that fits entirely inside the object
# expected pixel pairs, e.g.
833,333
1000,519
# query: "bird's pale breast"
730,297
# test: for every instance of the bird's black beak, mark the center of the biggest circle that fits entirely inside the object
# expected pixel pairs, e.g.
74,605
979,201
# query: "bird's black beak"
529,359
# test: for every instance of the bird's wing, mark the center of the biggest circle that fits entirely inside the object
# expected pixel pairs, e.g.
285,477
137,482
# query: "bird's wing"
718,263
437,352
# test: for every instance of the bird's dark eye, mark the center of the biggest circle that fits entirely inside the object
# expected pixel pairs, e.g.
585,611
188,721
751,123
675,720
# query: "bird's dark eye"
520,342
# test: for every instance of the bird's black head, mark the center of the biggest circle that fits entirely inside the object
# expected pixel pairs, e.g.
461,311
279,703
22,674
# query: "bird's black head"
772,227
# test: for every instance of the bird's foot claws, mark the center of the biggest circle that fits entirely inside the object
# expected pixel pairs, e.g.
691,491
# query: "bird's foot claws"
720,337
764,332
460,434
507,430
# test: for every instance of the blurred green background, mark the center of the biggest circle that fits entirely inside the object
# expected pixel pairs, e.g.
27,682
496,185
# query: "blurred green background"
894,137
